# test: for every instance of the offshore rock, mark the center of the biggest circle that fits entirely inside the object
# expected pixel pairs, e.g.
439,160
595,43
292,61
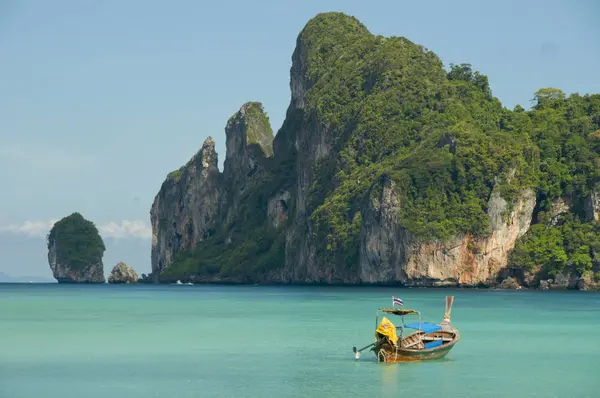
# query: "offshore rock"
509,283
75,251
123,273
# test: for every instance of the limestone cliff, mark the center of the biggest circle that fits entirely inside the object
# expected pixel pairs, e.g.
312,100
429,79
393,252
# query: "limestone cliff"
592,204
123,273
75,251
197,200
387,170
249,143
186,209
389,252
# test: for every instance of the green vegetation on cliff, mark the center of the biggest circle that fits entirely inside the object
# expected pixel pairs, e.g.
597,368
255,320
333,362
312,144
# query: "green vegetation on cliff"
553,247
258,128
76,242
388,110
567,132
246,244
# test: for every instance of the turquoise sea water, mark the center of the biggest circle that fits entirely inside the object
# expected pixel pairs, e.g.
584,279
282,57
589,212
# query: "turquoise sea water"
256,341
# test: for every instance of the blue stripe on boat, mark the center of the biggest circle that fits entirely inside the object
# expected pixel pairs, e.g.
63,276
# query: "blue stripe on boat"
433,344
424,326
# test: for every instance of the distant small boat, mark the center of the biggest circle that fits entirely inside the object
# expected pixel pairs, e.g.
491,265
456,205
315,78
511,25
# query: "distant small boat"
181,283
429,341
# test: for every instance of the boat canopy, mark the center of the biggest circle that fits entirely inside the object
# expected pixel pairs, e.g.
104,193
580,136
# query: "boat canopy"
424,326
399,311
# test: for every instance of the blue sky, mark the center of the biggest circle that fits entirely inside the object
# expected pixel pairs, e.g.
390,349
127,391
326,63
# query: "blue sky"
100,99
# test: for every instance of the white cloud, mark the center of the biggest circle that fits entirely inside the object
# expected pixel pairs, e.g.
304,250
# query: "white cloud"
31,228
127,228
112,229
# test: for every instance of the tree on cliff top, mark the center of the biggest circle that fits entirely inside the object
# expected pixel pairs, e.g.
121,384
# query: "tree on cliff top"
76,241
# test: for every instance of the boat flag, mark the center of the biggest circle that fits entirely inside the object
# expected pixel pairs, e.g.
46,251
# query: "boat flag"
396,300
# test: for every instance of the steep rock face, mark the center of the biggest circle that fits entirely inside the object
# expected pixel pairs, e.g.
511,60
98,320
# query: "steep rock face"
197,201
559,208
123,273
278,208
304,140
384,242
186,209
592,204
300,255
471,261
390,253
249,144
75,251
64,272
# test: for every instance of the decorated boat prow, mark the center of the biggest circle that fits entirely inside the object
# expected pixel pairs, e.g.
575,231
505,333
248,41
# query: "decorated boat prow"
427,341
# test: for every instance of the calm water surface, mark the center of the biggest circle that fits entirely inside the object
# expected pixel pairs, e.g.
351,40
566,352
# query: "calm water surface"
218,341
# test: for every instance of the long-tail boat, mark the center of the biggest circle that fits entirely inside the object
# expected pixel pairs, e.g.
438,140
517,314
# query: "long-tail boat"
428,341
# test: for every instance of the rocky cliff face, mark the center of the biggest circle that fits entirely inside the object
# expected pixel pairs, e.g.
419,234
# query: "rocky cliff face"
186,209
65,272
196,201
255,221
123,273
390,253
249,143
592,204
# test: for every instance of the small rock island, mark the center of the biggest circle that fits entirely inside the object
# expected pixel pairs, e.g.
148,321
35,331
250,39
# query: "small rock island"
123,273
75,250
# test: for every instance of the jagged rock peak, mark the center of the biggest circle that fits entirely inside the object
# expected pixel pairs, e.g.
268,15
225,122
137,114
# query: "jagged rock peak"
209,154
206,158
123,273
186,208
250,125
208,146
592,204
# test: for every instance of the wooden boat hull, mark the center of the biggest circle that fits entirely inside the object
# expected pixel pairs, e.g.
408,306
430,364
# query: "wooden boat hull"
387,352
430,341
407,355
